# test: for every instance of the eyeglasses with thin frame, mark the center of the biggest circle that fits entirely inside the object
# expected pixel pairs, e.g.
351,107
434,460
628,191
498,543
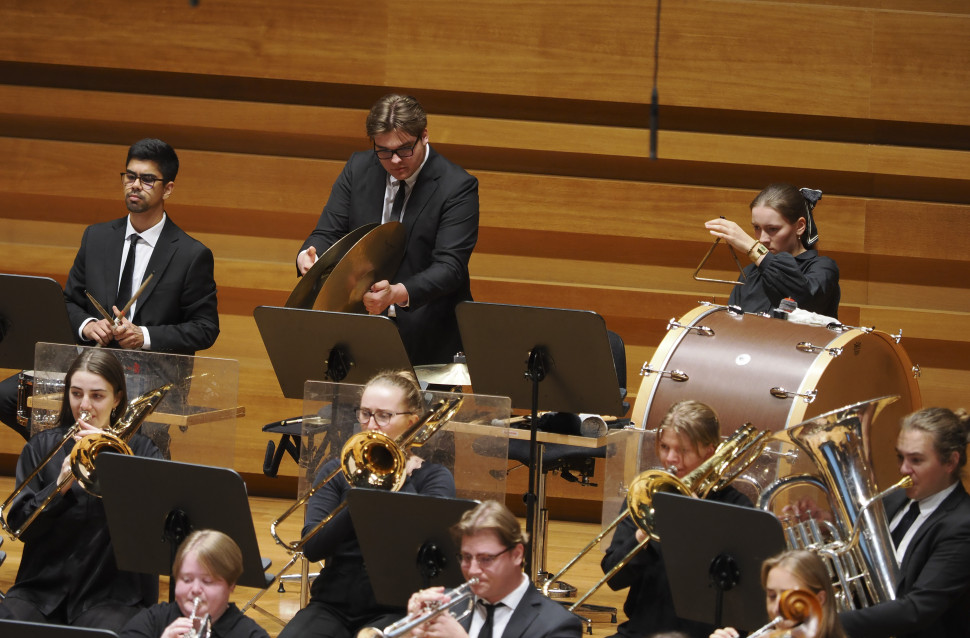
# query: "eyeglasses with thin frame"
403,152
483,560
147,180
381,417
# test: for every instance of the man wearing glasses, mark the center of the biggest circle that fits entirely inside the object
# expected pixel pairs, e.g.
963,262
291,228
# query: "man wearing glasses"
404,179
175,311
506,604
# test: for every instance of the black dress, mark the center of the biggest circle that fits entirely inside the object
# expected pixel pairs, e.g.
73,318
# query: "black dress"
649,606
810,279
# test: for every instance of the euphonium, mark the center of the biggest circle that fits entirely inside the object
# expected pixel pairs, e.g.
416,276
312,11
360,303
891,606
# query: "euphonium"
860,552
83,455
372,459
730,458
461,594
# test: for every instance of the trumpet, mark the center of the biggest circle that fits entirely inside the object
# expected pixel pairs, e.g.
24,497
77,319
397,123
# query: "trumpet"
372,459
113,439
204,627
456,596
730,458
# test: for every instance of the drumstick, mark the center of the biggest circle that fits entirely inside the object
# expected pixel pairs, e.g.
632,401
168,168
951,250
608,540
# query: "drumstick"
98,307
134,297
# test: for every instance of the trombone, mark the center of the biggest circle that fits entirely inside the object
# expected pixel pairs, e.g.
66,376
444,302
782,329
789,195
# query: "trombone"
372,459
83,455
730,458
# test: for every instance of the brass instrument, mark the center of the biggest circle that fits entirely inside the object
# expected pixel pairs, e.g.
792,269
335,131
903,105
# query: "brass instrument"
372,459
857,546
730,458
461,594
113,439
204,627
800,606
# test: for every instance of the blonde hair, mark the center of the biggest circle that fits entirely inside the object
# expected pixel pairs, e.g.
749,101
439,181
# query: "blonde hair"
810,571
695,420
215,551
492,516
406,382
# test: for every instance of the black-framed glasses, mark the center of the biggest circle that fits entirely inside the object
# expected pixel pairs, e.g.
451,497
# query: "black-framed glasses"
483,560
381,417
402,152
147,180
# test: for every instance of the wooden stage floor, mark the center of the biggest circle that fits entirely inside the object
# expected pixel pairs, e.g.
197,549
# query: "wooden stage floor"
565,540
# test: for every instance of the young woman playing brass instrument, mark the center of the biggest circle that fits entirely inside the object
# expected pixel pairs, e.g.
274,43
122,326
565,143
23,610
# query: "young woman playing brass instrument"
68,573
207,565
796,569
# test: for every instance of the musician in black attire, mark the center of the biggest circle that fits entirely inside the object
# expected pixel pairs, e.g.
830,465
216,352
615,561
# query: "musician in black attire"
68,573
342,600
785,260
688,435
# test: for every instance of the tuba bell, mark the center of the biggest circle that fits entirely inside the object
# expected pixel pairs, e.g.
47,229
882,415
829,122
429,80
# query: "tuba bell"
84,453
730,458
857,546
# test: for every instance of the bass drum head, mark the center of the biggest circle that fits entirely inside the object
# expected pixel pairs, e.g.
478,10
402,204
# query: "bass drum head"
737,363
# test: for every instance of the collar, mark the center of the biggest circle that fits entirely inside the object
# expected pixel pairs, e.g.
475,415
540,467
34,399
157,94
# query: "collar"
151,235
930,503
513,598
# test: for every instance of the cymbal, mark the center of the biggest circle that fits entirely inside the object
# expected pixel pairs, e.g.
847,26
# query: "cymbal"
376,256
451,374
308,288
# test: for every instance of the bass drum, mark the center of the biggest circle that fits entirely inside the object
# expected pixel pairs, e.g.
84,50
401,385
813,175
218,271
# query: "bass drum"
776,374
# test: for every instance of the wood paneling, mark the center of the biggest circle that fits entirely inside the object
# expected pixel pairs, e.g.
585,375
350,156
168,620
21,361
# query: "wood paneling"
545,102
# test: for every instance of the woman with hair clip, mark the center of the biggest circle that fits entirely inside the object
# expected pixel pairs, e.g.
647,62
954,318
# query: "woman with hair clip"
688,435
341,598
785,260
67,573
797,569
207,565
930,526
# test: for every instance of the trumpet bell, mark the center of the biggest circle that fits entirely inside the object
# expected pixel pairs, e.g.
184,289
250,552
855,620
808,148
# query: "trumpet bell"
87,450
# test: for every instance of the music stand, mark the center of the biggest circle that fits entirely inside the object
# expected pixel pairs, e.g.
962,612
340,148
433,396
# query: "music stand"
327,346
23,629
152,505
542,359
407,536
713,553
32,309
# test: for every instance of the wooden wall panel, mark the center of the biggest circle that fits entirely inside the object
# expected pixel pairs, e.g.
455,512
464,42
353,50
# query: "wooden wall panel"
544,102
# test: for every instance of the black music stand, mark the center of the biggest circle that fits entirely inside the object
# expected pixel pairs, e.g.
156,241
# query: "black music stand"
713,553
152,505
542,359
407,536
32,309
327,346
23,629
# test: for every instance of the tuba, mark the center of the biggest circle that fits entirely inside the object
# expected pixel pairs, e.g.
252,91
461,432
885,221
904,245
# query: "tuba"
83,455
857,546
730,458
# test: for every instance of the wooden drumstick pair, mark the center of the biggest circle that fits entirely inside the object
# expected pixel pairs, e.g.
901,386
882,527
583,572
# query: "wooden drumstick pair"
117,320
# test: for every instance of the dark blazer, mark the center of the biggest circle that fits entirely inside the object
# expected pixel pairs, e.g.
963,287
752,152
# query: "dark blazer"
538,617
933,594
179,305
441,222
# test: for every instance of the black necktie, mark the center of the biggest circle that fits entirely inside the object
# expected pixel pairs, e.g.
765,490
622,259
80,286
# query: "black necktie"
398,205
905,523
124,288
486,630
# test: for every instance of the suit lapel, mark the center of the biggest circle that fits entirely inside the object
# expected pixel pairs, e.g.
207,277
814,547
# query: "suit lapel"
948,504
112,270
162,255
424,188
524,614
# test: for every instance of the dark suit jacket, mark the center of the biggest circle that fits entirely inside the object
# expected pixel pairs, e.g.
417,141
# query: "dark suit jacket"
538,617
933,595
178,306
441,222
